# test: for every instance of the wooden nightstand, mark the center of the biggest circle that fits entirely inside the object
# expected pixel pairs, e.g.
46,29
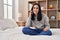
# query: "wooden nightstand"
21,23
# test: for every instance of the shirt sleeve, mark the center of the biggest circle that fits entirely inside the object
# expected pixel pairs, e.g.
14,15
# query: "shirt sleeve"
28,22
46,22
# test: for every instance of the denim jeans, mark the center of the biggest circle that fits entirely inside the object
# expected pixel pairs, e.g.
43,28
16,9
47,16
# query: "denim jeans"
29,31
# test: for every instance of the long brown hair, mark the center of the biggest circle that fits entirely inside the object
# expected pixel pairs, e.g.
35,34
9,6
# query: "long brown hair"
39,17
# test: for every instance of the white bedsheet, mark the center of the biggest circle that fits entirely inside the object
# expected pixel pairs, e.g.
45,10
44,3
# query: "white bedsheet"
16,34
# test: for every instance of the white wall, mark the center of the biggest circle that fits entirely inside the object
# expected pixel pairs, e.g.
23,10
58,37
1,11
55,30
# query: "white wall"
23,8
16,9
1,9
13,10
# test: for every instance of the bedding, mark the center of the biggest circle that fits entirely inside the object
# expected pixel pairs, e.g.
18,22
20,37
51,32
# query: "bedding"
16,34
7,23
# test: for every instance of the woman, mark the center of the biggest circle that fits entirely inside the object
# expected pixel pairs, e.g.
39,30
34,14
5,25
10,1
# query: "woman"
39,21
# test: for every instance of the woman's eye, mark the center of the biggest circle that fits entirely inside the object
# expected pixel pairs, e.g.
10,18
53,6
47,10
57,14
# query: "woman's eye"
36,8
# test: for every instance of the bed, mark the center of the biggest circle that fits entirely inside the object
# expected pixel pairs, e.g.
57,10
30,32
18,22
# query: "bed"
15,33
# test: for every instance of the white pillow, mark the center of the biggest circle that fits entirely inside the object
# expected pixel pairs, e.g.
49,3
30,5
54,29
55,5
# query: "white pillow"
7,23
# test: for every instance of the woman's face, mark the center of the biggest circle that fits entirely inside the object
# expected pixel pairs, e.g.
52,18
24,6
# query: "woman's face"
35,9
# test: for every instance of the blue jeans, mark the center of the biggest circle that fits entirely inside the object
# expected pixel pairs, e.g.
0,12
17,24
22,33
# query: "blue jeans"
29,31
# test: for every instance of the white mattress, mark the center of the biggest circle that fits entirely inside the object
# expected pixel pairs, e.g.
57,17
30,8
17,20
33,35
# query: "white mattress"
16,34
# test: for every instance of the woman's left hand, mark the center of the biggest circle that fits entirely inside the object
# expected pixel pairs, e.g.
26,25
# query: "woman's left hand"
45,29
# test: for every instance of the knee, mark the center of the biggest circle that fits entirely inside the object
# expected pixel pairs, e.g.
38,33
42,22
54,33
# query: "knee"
49,32
24,30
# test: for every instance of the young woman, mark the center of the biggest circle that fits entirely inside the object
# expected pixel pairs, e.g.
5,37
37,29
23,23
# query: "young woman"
40,22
